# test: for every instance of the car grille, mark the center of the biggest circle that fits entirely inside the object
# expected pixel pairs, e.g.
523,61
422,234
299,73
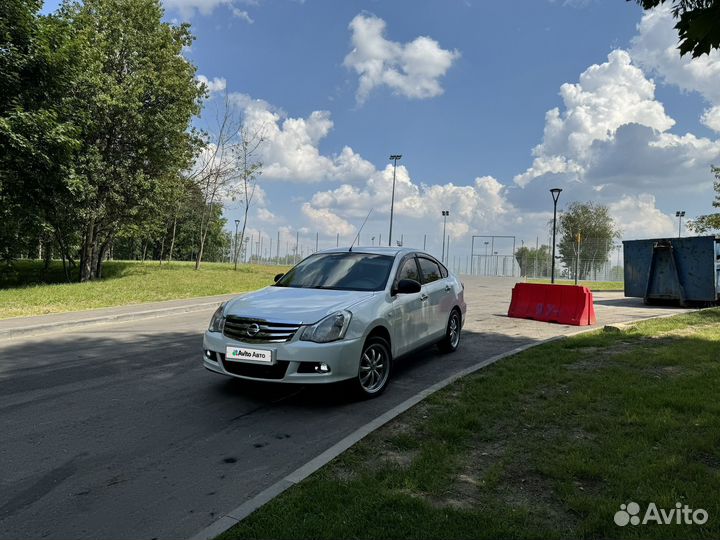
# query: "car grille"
268,332
256,371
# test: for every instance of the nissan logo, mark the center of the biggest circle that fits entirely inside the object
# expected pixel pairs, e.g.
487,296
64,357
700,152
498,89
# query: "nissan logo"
253,329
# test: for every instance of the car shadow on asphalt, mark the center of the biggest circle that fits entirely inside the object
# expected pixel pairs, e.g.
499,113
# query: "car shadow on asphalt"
411,374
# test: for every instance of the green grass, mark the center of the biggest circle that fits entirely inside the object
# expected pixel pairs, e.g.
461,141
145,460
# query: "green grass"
592,285
544,444
23,293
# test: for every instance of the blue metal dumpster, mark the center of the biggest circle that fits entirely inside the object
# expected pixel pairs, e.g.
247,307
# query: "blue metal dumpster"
673,270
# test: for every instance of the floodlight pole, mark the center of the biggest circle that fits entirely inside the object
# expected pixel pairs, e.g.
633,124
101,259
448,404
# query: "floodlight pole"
445,214
680,214
394,158
237,222
555,192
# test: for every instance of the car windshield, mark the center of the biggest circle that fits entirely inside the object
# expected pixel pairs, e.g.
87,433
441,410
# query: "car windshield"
347,271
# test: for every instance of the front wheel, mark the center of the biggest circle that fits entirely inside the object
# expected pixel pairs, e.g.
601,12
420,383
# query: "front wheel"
451,341
374,368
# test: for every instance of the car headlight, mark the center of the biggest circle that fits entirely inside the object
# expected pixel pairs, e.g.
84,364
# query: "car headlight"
217,323
331,328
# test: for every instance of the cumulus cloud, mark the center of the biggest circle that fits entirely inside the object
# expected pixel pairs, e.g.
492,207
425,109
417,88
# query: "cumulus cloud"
607,96
214,86
655,50
482,205
639,217
613,136
711,118
291,145
410,69
326,220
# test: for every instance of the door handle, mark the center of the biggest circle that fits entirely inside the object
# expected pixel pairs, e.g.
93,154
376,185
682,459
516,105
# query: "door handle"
447,288
423,297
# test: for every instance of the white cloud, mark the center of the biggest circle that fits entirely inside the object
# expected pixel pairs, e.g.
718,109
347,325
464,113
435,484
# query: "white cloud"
711,118
266,215
326,220
639,218
188,8
480,206
655,50
242,14
607,96
291,148
411,69
217,84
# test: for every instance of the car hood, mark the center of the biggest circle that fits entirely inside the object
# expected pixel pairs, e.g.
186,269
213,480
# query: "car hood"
295,305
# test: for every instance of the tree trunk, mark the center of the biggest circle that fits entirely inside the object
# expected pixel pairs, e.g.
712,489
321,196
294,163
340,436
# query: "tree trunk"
102,252
162,247
172,241
87,270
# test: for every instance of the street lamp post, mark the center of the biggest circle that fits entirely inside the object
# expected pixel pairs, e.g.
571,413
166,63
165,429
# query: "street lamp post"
486,257
445,214
237,222
555,192
394,158
680,214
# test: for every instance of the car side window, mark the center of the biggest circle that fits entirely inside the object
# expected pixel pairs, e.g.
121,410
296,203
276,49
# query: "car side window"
409,270
430,270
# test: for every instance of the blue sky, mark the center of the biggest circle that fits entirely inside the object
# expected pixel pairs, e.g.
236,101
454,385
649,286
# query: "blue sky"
490,104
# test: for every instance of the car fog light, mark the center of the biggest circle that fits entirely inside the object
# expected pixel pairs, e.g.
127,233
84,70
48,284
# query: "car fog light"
323,368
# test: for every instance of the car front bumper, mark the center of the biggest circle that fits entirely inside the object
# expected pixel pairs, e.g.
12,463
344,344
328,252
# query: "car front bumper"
293,361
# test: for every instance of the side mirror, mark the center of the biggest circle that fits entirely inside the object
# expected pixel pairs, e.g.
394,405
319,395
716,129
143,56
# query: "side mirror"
408,286
277,277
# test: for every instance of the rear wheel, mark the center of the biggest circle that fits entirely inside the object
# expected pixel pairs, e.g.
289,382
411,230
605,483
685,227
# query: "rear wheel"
374,368
451,341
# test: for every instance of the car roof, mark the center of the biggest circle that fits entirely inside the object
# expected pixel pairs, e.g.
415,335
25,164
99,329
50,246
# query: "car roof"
375,250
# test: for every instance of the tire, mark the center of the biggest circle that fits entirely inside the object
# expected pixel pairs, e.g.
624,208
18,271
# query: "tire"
451,341
374,367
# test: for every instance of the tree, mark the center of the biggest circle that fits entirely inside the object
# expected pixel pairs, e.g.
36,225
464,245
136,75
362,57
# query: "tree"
597,232
709,222
226,168
532,261
132,102
249,169
36,143
698,24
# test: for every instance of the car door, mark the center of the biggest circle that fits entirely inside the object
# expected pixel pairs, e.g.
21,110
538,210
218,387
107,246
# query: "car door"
406,314
435,288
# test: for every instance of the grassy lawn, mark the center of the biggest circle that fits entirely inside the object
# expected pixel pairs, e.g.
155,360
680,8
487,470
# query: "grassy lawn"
592,285
23,293
545,444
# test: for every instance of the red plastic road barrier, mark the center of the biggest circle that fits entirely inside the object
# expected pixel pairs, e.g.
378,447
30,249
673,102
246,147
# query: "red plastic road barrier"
563,304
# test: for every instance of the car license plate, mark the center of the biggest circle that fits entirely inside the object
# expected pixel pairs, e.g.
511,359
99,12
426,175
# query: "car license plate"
242,354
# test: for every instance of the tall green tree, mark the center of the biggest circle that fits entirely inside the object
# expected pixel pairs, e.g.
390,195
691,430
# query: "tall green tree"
36,142
597,232
698,24
133,101
709,222
532,261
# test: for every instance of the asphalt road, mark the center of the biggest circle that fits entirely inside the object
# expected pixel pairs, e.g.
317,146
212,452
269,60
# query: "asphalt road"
116,431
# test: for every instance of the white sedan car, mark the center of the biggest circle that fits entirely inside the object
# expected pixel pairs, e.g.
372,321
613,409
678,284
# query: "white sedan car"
338,315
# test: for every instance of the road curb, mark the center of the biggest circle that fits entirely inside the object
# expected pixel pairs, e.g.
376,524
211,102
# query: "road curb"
116,317
244,510
236,515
